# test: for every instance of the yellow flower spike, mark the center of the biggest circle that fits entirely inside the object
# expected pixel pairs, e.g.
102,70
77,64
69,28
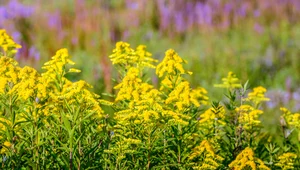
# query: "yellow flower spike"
127,57
248,116
286,161
206,153
230,82
292,119
258,95
7,43
171,64
246,159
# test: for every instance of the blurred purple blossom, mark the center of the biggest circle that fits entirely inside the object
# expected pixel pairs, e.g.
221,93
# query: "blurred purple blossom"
256,13
54,20
228,7
133,5
16,35
14,9
34,53
164,15
204,13
258,28
179,22
242,11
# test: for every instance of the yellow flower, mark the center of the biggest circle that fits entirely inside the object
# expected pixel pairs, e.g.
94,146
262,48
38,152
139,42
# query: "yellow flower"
26,86
230,82
9,69
286,161
210,160
126,57
210,116
248,116
246,159
292,119
7,43
258,95
171,64
183,97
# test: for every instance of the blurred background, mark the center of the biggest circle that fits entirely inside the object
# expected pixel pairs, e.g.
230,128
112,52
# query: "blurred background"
259,40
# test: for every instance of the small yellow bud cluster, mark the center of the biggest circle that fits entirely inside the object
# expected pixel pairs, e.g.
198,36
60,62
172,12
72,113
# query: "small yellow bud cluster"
126,57
230,82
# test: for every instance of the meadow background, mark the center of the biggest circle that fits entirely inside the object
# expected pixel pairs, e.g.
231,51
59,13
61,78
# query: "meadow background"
258,40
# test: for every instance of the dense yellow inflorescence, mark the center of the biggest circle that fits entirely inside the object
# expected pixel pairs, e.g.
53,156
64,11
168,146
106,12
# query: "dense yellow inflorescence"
286,161
7,43
292,119
258,95
209,117
246,159
171,64
248,116
210,159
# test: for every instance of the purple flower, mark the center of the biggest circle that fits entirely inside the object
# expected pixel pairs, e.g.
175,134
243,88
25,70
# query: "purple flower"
165,14
16,9
228,7
132,5
256,13
54,20
258,28
16,35
34,53
179,22
203,13
242,11
13,10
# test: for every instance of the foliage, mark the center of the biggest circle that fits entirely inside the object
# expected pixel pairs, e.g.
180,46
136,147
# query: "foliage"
50,122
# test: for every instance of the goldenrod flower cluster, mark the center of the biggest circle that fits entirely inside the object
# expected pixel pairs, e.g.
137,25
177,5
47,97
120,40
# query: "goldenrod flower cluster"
7,43
210,116
5,147
27,83
286,161
230,82
35,95
205,157
258,95
183,97
126,57
292,119
246,159
143,100
171,64
248,116
9,71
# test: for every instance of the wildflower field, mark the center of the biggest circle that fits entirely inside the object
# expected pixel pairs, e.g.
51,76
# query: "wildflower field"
132,106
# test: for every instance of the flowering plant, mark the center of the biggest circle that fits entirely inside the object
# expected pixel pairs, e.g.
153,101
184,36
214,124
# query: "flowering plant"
50,122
